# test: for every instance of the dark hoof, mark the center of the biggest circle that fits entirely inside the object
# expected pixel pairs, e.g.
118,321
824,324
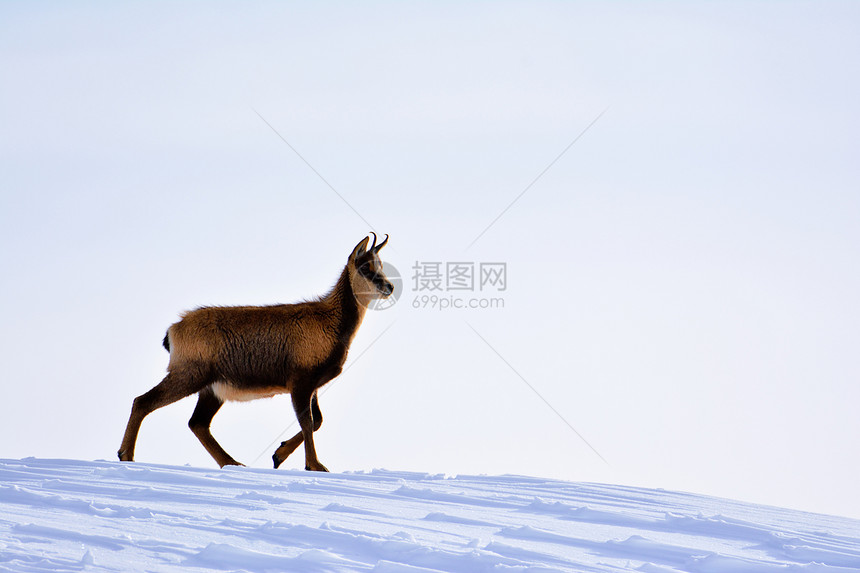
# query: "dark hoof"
319,468
277,460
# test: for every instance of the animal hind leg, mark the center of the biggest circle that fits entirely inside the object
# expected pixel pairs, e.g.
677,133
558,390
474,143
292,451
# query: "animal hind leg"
208,405
174,386
289,446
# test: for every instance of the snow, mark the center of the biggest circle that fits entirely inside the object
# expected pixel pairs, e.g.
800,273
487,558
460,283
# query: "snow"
69,515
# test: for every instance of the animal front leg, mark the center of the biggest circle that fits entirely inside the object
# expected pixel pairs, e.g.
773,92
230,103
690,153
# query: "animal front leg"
303,405
289,446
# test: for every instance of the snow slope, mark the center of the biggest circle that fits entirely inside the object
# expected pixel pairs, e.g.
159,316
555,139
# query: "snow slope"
64,515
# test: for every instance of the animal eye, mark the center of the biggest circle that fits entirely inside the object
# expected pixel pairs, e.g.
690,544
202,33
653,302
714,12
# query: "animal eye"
366,270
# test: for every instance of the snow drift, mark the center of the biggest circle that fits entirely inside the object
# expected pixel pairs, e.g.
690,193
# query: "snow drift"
64,515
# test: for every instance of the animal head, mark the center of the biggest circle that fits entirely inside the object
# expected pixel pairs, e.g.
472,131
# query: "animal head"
366,276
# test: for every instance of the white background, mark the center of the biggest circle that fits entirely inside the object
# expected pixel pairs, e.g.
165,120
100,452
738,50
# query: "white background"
682,282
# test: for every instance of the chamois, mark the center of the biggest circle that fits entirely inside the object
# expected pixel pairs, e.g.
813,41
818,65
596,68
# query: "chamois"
250,352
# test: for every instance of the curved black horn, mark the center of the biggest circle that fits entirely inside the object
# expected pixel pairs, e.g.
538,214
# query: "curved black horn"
382,244
374,241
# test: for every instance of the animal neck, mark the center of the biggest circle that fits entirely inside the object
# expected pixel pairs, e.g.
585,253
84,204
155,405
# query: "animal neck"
344,307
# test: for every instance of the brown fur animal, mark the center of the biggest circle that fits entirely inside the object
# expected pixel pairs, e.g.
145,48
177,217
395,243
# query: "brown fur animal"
250,352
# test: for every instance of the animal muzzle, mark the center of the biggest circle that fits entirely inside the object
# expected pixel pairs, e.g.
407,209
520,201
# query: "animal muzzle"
385,288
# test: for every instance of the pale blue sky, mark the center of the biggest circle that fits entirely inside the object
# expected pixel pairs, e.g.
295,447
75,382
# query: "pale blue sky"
682,282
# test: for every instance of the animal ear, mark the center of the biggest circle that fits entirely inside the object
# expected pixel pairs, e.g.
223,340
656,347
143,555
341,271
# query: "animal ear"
359,249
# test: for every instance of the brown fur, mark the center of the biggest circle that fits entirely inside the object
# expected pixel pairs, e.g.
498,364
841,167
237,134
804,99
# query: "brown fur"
250,352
